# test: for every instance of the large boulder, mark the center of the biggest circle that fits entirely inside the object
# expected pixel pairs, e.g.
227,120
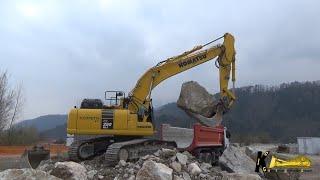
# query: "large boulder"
46,165
196,99
69,170
183,159
235,160
194,169
186,176
154,171
176,166
166,153
91,174
205,167
25,174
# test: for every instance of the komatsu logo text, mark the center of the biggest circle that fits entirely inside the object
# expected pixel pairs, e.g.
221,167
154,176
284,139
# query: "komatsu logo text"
192,60
89,118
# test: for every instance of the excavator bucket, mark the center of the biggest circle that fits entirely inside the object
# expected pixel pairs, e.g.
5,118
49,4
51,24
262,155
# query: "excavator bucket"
208,122
32,158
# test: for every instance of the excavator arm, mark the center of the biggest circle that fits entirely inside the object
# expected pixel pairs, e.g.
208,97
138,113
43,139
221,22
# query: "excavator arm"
140,96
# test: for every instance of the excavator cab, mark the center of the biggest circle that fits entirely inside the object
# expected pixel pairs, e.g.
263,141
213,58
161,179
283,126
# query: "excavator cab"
91,104
115,98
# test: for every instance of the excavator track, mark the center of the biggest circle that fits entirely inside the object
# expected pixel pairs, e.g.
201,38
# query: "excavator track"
134,149
73,151
86,149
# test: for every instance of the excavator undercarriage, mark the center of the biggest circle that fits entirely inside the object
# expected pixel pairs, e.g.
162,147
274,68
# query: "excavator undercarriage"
115,149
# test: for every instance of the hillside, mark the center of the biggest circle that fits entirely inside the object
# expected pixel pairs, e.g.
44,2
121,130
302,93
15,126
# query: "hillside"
58,132
261,113
172,114
44,123
265,114
277,113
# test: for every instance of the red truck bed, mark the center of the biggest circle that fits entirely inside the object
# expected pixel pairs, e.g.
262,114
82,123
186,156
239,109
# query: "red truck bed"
200,137
206,137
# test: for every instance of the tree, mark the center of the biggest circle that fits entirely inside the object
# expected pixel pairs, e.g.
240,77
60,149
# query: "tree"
6,100
10,102
15,111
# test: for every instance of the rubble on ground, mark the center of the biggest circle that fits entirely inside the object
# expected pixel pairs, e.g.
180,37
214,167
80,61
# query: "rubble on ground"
154,170
235,160
182,158
69,170
161,165
46,165
194,169
26,174
194,98
240,176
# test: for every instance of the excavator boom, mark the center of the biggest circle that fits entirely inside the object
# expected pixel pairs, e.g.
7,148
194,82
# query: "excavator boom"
141,94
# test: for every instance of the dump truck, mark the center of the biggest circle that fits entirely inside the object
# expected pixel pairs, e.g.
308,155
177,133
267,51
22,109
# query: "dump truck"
205,143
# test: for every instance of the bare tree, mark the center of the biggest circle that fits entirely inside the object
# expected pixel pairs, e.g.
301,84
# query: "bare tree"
16,110
10,102
17,104
6,100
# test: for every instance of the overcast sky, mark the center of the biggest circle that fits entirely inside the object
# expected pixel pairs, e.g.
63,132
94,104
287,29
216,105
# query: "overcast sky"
63,51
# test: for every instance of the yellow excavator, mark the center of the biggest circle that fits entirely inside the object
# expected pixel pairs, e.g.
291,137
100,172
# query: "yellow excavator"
120,129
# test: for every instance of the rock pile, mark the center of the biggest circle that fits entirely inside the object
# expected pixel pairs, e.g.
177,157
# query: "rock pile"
25,174
165,164
69,170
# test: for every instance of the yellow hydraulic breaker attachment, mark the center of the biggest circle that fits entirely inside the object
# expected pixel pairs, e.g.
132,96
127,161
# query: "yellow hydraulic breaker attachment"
299,162
282,162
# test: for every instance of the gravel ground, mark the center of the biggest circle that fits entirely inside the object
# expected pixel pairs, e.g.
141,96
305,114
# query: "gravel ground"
9,162
12,161
315,173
